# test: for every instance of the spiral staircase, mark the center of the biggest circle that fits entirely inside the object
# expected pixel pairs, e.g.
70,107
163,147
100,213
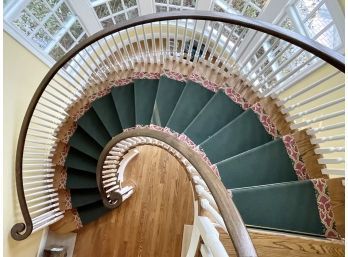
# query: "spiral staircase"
247,159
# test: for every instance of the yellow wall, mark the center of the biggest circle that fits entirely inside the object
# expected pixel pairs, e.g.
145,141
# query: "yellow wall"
22,75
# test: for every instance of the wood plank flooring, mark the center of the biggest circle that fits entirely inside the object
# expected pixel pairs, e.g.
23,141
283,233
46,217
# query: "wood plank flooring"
151,222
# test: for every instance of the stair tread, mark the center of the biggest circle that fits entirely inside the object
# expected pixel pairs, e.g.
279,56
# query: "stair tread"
124,102
80,161
81,141
243,133
105,109
79,179
288,206
168,93
145,91
265,164
193,98
94,127
219,111
91,212
82,197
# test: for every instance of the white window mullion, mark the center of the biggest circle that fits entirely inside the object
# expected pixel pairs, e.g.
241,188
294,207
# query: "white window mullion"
86,14
146,7
338,17
272,11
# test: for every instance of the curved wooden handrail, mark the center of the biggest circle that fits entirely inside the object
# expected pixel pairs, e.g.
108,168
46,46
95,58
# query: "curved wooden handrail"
233,221
22,230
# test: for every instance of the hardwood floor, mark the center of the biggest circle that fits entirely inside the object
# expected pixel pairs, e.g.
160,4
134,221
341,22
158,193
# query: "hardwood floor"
151,222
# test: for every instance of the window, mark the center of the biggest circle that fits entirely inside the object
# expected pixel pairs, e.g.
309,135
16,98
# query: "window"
174,5
250,8
111,12
317,21
48,25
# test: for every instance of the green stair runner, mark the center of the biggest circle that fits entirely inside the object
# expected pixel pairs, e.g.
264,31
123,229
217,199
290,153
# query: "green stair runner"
168,93
256,167
84,143
145,91
289,206
243,133
105,109
265,164
193,98
124,102
219,111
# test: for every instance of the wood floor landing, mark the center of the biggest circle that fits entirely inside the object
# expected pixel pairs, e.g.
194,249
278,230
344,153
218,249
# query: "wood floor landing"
151,222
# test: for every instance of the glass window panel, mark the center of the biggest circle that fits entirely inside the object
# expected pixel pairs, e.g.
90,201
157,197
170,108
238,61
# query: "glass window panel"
330,38
52,3
39,9
52,25
133,13
83,38
318,21
102,10
218,8
56,53
41,38
189,3
287,24
161,8
304,7
115,6
173,9
251,12
25,23
162,1
67,41
260,3
106,23
63,12
175,2
120,17
238,5
76,29
130,3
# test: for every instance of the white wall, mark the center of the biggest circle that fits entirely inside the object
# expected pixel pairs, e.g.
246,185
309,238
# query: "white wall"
22,75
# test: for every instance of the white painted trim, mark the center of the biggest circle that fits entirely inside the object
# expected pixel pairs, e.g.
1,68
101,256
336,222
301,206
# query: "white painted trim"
43,242
86,14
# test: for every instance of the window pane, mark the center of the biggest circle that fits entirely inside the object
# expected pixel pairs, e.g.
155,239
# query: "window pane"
175,2
76,29
238,5
287,24
56,53
106,23
330,38
102,10
318,21
63,12
39,9
304,7
162,1
251,12
130,3
116,6
161,8
41,38
52,25
25,23
133,13
189,3
119,18
52,3
260,3
66,41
